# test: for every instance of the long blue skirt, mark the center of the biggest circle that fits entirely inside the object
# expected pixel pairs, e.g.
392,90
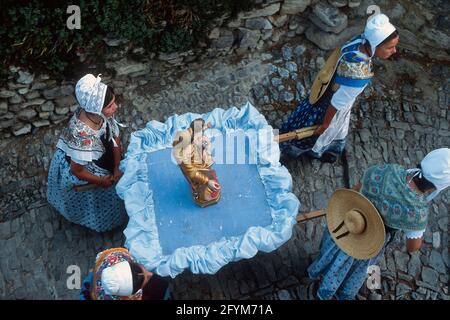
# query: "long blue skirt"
342,275
99,209
306,115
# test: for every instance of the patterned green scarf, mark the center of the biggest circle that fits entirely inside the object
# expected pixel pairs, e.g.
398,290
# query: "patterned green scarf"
401,207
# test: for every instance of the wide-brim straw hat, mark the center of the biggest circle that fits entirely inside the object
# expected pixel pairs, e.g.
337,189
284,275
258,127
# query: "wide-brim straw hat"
323,78
355,224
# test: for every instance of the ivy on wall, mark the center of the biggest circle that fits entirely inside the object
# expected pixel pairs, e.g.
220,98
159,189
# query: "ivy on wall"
33,33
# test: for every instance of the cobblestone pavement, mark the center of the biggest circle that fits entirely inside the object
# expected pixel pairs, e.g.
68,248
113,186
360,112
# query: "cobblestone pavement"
404,115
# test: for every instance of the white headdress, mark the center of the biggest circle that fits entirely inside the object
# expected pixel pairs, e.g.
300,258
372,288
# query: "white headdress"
436,169
91,92
377,30
118,280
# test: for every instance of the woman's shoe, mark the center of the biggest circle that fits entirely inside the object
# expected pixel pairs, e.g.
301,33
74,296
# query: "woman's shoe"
312,290
312,155
307,291
328,157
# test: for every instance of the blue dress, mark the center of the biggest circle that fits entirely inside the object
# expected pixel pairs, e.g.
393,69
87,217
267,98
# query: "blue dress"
306,115
342,275
354,69
401,209
99,209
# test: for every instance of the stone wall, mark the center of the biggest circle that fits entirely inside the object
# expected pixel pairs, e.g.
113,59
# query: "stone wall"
30,101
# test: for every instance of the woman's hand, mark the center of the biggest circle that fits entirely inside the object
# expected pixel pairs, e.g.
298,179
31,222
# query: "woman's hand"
329,115
319,130
117,174
213,185
106,181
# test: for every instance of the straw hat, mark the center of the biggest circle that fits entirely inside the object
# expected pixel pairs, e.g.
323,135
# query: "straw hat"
355,224
323,78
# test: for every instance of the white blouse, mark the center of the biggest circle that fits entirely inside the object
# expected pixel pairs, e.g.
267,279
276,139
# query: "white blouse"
414,234
82,143
345,96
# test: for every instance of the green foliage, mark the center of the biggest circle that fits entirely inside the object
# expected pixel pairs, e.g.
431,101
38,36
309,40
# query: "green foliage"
34,34
125,19
176,40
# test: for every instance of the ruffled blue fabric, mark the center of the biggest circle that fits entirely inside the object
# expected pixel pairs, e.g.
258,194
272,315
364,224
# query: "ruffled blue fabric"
142,230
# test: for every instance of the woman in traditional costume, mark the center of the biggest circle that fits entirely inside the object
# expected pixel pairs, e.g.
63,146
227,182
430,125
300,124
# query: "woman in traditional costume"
354,242
343,78
88,152
117,276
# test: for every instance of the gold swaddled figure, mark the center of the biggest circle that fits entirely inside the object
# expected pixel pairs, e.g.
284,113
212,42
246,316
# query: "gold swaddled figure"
192,152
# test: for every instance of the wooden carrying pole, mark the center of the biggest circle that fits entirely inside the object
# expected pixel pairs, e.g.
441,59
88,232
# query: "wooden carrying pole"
85,187
296,135
310,215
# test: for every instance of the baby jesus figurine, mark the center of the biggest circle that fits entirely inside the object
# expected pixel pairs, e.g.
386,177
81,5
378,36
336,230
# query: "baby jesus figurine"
192,152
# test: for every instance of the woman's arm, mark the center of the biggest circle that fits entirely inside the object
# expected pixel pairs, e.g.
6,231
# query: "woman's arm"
413,244
331,111
117,153
81,173
357,187
414,239
342,99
